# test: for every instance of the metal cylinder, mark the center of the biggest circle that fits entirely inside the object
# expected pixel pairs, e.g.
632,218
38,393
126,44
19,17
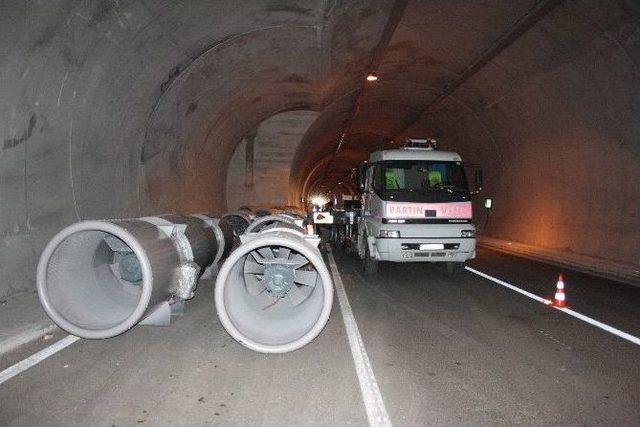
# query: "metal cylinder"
294,215
224,235
274,293
239,220
97,279
264,221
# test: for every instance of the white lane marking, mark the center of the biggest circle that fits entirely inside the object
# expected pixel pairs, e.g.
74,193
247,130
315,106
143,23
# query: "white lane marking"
35,331
570,312
373,403
36,358
507,285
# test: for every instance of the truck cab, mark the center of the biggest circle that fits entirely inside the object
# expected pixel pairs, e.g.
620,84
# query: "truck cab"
416,207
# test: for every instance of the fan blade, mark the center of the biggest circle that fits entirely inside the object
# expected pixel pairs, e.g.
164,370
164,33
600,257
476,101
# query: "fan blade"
266,253
283,253
253,285
295,296
300,261
270,301
306,277
256,256
252,267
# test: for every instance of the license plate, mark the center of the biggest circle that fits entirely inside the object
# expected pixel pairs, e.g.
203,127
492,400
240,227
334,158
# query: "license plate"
431,246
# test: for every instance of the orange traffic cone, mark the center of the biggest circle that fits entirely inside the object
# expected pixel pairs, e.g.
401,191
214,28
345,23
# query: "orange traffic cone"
560,300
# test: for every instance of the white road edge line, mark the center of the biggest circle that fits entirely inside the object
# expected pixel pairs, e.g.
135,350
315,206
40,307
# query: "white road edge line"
373,403
568,311
34,332
36,358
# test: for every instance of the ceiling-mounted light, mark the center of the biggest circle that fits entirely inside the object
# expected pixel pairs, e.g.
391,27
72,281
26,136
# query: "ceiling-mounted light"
372,77
319,200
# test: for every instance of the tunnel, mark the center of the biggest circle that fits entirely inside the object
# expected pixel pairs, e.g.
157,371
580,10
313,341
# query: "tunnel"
126,109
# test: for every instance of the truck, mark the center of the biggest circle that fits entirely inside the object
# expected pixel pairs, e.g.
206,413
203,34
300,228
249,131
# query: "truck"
416,207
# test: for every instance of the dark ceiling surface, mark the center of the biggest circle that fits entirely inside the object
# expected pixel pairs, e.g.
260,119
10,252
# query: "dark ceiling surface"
112,109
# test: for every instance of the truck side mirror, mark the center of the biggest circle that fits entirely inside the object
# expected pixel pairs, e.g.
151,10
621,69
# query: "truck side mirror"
362,176
479,179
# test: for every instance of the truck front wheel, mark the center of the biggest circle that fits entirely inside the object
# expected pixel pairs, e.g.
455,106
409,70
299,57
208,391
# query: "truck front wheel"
369,264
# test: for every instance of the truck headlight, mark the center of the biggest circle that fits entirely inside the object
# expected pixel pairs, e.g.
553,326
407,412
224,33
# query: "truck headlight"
468,233
391,234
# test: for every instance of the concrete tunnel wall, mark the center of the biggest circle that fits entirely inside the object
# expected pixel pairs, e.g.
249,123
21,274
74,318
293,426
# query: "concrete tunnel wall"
259,171
113,109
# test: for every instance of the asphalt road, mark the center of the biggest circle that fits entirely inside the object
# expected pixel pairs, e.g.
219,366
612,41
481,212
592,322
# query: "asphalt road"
445,350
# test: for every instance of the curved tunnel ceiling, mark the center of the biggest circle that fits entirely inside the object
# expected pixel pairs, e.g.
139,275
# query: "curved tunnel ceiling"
113,109
541,94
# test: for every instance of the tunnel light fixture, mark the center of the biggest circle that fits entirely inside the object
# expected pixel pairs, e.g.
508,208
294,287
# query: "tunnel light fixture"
372,77
319,200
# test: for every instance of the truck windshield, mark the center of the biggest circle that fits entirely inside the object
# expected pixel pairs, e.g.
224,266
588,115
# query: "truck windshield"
420,181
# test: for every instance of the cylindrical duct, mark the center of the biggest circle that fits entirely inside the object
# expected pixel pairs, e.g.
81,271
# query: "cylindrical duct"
274,293
97,279
224,235
294,215
239,220
264,221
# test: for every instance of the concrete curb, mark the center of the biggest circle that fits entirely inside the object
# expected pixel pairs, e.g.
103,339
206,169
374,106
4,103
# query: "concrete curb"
29,334
626,273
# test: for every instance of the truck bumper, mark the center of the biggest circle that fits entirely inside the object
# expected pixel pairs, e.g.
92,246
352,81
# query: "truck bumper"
423,250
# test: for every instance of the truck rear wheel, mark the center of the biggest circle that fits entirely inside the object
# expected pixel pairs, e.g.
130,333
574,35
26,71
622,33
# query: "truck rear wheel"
455,267
369,264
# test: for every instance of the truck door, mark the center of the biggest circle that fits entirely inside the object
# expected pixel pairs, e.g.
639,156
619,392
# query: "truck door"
365,177
366,195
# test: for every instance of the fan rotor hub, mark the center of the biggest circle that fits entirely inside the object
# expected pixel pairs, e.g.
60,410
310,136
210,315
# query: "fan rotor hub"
278,279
